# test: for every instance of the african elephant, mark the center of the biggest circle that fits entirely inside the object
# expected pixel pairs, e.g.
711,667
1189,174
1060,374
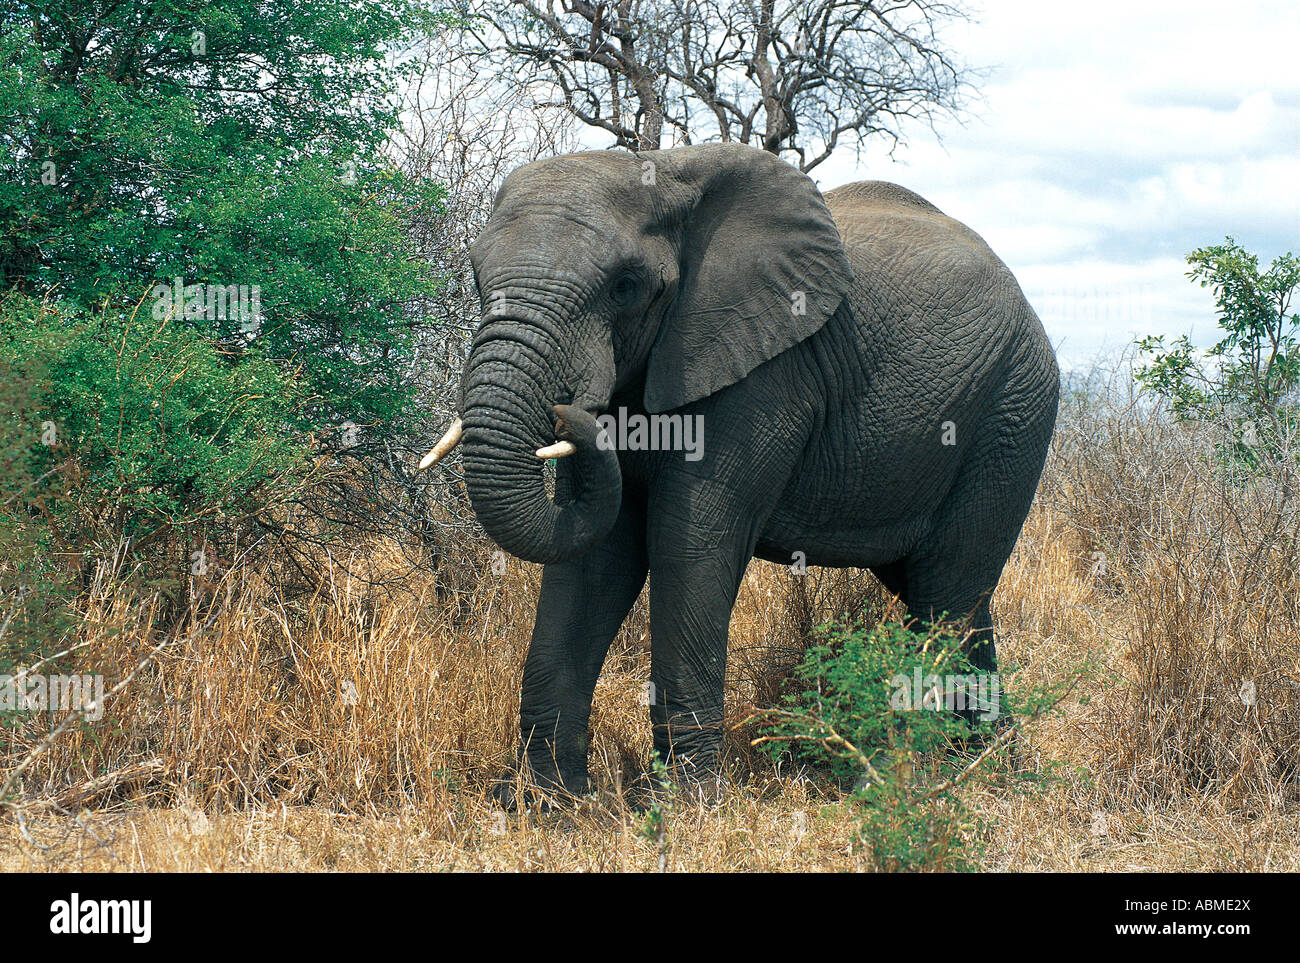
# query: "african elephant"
873,389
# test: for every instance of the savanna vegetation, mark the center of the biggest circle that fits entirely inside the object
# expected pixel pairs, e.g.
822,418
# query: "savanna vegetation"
310,654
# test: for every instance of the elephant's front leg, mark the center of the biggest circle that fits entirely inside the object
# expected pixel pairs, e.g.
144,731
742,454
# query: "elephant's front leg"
700,543
583,602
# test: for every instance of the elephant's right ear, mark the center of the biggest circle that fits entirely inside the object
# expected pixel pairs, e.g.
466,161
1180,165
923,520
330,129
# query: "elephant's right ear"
762,268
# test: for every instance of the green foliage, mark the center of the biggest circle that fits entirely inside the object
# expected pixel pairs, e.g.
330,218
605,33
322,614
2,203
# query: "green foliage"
34,617
654,823
150,433
235,145
1252,374
226,143
879,706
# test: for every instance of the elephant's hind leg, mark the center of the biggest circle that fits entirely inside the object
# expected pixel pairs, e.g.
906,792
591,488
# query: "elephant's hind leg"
958,565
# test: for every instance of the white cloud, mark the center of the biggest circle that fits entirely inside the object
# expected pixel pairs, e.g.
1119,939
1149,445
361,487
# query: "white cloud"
1112,140
1094,307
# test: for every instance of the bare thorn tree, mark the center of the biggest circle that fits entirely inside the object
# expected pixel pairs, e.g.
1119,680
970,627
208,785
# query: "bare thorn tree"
794,77
465,130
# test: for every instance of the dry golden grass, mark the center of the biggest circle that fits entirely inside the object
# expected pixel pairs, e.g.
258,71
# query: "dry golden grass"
360,728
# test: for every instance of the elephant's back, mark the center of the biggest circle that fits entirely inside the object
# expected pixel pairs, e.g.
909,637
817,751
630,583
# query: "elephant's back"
887,216
932,297
876,193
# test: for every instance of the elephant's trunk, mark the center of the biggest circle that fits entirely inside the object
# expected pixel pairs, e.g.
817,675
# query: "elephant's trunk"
508,414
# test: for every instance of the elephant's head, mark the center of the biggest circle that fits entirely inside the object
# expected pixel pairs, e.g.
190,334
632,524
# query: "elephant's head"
671,273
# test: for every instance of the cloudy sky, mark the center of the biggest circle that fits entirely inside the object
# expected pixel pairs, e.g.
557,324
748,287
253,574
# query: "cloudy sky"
1111,139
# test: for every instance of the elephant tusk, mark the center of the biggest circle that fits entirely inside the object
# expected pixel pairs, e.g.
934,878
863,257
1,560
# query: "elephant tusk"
561,449
440,450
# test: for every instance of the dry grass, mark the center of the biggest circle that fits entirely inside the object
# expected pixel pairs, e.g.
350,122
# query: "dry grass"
360,729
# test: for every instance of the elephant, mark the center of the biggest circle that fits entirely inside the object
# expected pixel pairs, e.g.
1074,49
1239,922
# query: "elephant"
872,386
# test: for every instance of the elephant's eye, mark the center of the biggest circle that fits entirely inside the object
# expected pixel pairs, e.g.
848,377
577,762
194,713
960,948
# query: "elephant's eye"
625,289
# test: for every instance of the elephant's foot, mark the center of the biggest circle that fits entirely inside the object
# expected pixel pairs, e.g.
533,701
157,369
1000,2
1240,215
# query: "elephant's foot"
522,791
985,733
544,779
678,788
706,789
692,757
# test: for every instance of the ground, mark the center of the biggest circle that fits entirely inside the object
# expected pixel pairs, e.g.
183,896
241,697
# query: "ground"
360,727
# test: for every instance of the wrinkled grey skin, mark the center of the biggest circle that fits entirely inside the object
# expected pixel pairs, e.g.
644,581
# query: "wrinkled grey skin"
671,281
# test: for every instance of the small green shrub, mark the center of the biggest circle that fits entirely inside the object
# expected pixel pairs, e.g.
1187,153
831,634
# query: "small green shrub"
135,438
33,615
878,706
1251,377
655,823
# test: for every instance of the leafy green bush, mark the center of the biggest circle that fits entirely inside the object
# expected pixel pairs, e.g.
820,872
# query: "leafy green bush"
137,438
33,615
157,163
1252,375
880,706
227,143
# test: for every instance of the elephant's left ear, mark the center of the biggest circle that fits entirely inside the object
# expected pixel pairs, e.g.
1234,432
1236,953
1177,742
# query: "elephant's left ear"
762,268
